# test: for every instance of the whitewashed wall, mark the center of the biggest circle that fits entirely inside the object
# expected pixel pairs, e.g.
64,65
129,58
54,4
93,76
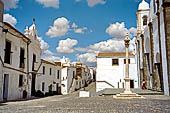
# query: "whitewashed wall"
114,74
14,91
66,79
164,54
47,78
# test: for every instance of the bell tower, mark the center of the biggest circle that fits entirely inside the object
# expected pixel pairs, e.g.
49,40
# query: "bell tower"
31,32
142,16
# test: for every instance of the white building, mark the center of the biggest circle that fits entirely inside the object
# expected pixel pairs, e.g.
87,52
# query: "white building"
14,63
110,72
67,79
153,44
48,77
73,76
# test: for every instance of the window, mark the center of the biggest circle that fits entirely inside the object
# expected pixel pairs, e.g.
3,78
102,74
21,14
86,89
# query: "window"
20,80
22,52
8,52
115,62
58,74
125,61
43,70
33,62
50,71
145,18
43,84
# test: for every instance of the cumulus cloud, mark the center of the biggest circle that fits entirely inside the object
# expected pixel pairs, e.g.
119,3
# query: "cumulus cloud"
66,46
46,53
87,58
76,29
112,45
49,3
10,19
59,28
80,30
133,31
51,58
92,3
119,31
43,45
8,4
74,25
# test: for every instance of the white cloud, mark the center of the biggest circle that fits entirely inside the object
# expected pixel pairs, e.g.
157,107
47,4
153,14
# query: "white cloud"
66,46
49,3
46,53
112,45
8,4
119,31
87,58
10,19
51,58
92,3
80,30
74,25
59,28
43,45
133,31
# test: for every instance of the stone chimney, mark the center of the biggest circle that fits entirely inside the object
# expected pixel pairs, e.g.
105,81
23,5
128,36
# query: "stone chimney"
1,11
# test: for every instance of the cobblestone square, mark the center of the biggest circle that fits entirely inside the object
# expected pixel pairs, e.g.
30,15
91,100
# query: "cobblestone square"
73,104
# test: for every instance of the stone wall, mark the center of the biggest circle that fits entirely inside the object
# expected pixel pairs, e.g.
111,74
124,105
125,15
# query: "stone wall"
167,32
1,11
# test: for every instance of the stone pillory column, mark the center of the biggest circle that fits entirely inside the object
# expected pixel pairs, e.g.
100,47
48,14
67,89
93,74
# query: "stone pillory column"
127,79
127,93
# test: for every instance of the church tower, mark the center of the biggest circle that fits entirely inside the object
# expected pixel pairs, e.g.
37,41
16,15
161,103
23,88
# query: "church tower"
142,22
142,16
31,32
1,11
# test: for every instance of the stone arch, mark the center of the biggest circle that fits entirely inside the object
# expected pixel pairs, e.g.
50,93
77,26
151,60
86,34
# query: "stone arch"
145,20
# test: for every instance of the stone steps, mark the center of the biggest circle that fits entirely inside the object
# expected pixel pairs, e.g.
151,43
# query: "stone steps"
127,96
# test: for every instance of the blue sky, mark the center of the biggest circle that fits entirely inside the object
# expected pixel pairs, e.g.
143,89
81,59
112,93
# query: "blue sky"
99,25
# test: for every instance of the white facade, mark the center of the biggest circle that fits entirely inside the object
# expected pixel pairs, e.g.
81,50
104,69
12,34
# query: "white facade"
67,79
153,19
48,77
112,76
13,76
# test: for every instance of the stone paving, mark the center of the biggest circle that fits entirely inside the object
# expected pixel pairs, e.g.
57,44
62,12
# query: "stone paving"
100,104
73,104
